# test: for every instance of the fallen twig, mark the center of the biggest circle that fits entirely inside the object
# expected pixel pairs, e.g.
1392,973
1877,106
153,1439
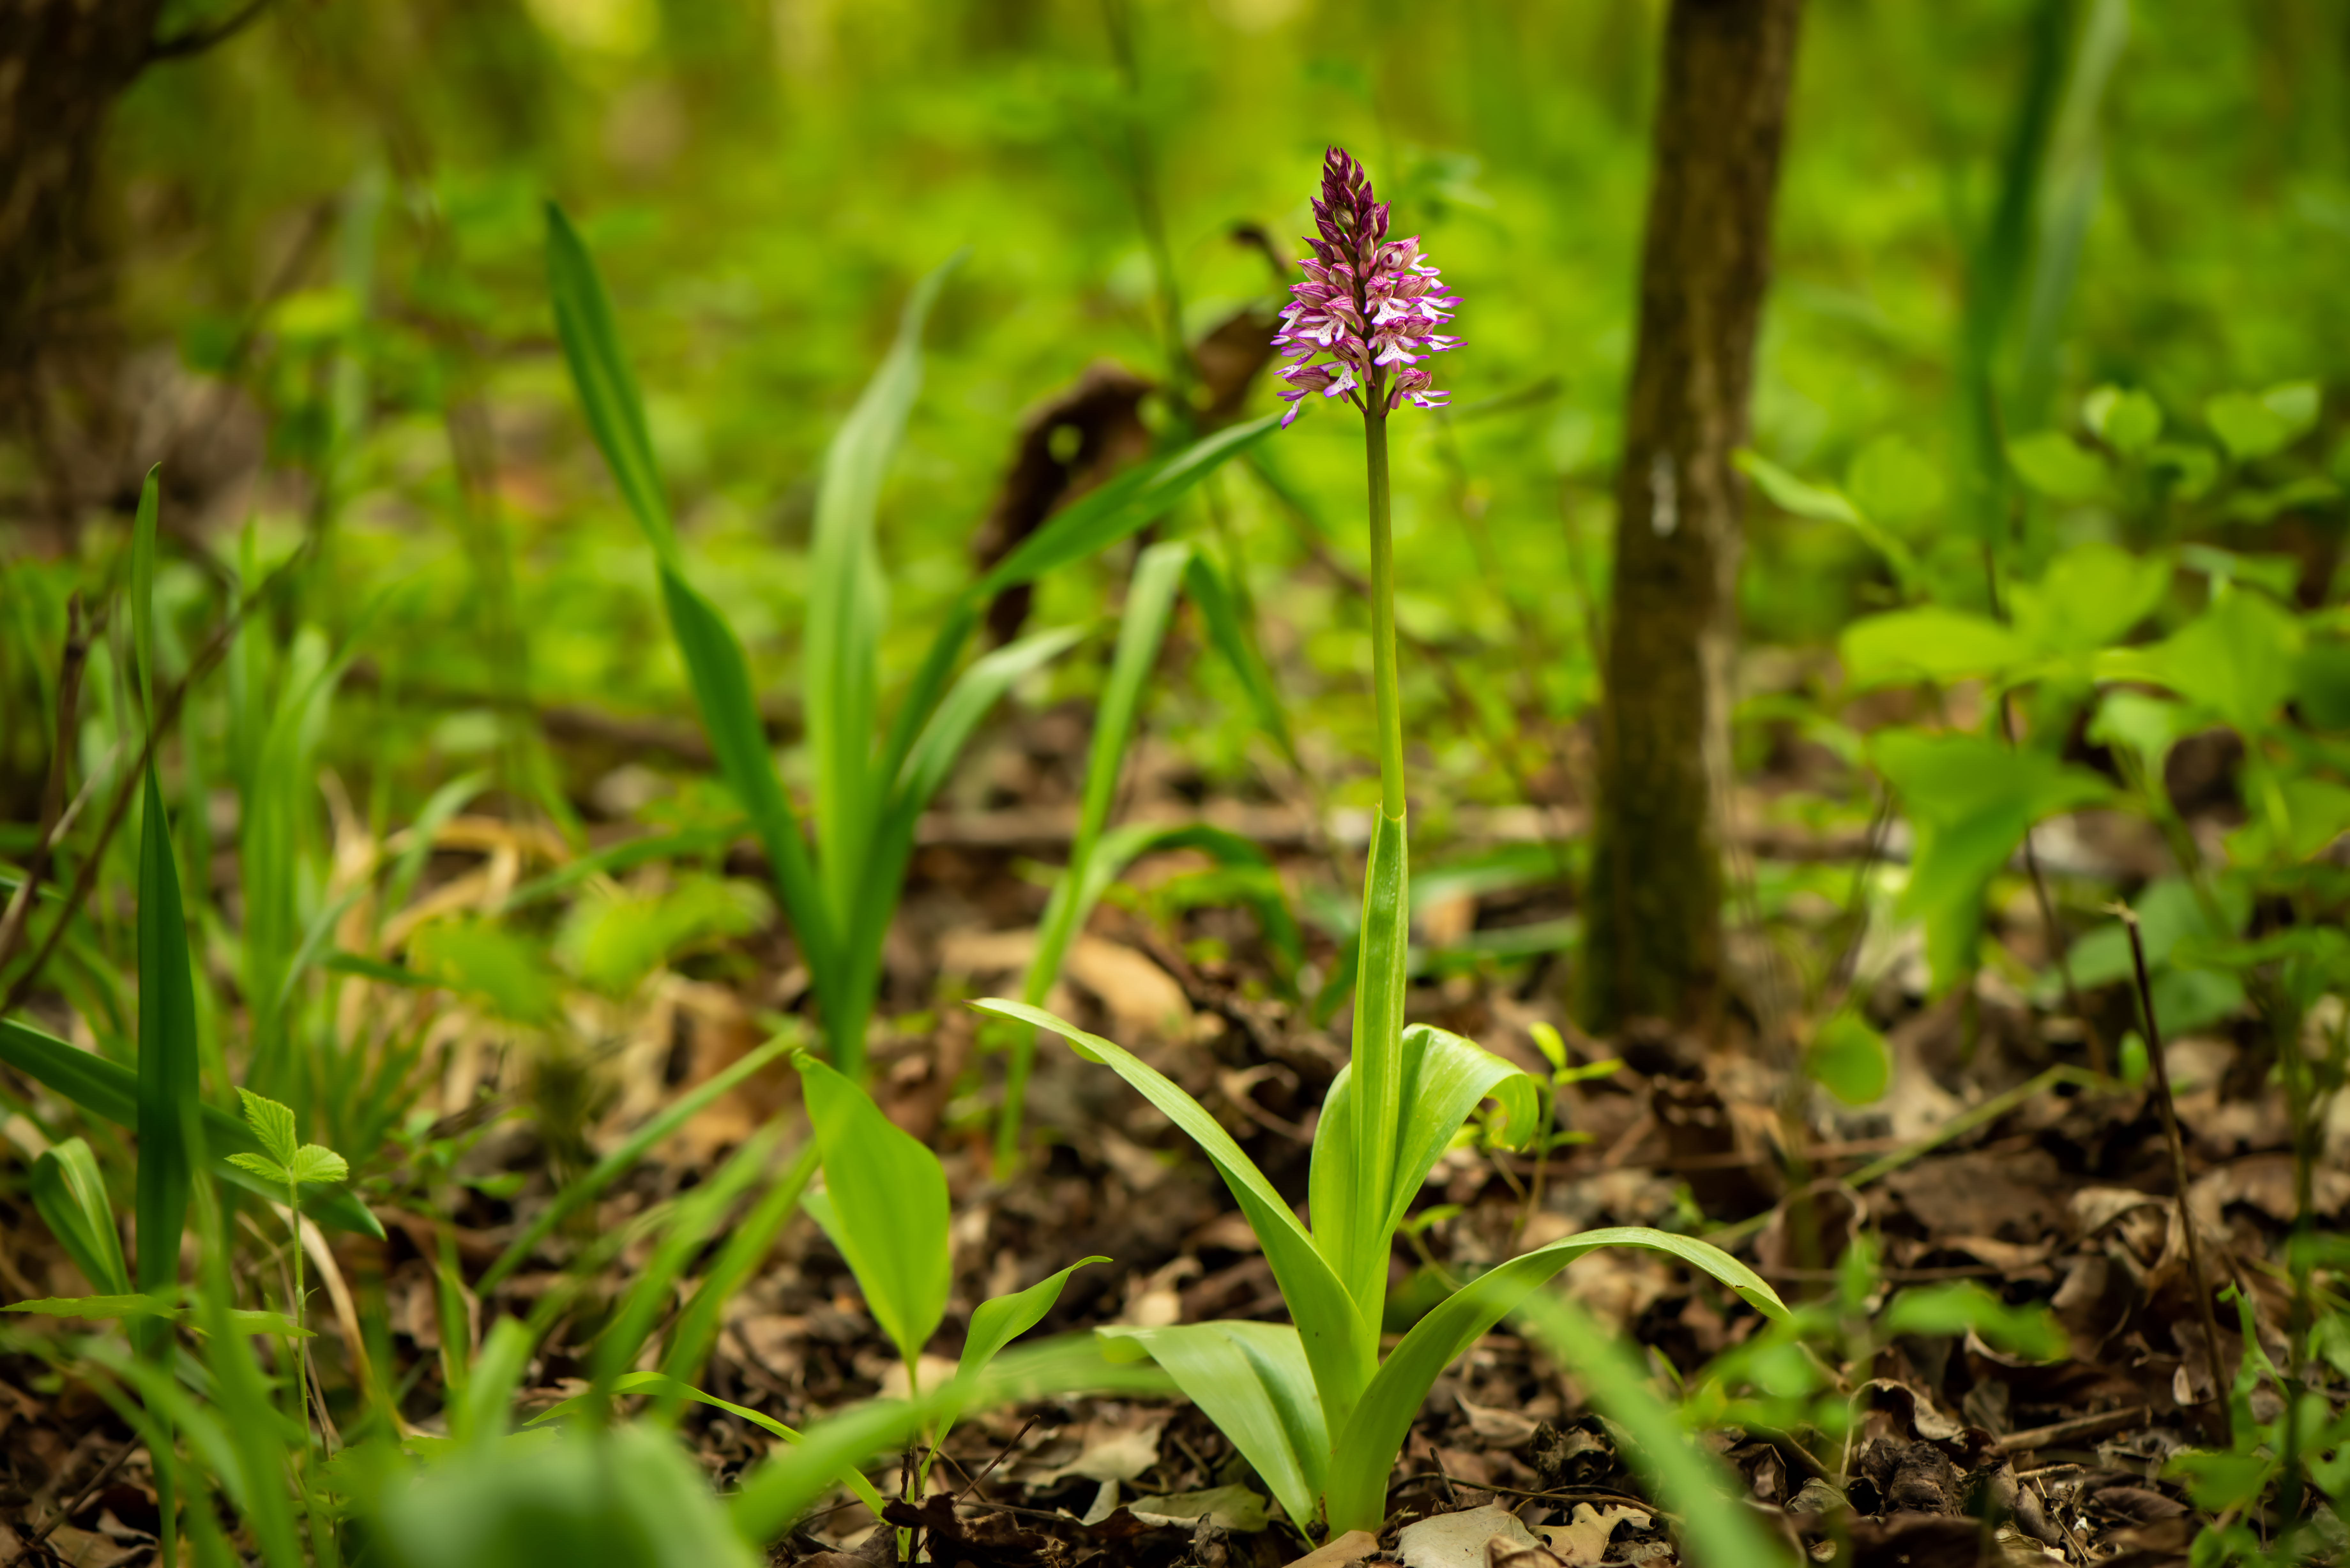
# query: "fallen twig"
2101,1424
2161,1073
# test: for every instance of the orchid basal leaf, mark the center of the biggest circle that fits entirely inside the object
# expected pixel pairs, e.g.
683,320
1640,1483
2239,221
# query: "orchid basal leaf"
1253,1381
1340,1345
1368,1443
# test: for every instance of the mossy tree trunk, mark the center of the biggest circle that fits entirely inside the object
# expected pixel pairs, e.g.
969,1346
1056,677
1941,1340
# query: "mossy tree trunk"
1653,904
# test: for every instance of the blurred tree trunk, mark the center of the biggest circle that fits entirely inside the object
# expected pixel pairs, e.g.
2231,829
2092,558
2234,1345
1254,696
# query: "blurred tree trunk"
1653,905
62,62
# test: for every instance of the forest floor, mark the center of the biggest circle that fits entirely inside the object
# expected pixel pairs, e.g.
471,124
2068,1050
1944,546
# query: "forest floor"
1975,1166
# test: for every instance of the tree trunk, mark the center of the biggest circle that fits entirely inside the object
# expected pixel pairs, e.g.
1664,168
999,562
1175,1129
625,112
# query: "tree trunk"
1653,905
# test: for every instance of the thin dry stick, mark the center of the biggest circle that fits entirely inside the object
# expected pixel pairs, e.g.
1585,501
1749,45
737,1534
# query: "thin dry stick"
53,793
2178,1166
32,1547
166,715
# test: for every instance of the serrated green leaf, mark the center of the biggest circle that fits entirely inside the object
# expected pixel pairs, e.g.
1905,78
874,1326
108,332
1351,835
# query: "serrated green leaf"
261,1166
272,1123
313,1162
107,1089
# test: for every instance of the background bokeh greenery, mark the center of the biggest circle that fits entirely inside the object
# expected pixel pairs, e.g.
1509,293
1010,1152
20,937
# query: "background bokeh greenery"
763,183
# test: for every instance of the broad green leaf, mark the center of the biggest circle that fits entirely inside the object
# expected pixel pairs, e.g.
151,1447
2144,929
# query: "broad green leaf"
1339,1342
840,655
106,1089
1850,1060
891,1197
1368,1442
2147,727
484,960
778,1490
313,1162
1444,1078
1893,480
2252,426
1928,643
590,1496
272,1123
600,374
71,1197
1970,800
2236,661
2091,595
2126,422
1252,1379
167,1096
999,1320
1718,1530
2030,1331
2059,467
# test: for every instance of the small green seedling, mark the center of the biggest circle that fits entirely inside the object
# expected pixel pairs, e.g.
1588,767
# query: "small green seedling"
283,1162
885,1205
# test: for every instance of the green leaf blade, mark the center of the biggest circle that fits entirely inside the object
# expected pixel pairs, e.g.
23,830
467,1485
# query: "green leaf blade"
890,1198
600,374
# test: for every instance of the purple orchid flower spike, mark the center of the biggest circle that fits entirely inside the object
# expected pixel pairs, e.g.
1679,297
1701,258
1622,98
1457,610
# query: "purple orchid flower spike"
1372,305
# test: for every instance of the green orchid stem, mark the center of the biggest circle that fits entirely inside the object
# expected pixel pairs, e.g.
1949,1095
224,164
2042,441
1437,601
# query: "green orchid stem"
301,1356
1383,629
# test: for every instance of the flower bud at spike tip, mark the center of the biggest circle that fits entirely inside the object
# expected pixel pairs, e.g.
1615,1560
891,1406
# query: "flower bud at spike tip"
1370,304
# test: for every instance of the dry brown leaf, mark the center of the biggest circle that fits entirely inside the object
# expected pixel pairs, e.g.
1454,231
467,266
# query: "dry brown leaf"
1458,1540
1585,1536
1346,1552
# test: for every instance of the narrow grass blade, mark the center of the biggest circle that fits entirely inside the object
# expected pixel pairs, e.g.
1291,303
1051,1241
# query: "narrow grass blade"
1715,1523
890,1197
841,654
1253,1381
1228,629
443,803
600,371
143,587
924,770
1369,1440
1149,604
730,715
700,1214
746,1248
1094,521
778,1491
71,1197
107,1089
1341,1345
623,1158
167,1053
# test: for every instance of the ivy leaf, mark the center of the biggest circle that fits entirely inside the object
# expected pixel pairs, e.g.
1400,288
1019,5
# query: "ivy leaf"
272,1123
313,1162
